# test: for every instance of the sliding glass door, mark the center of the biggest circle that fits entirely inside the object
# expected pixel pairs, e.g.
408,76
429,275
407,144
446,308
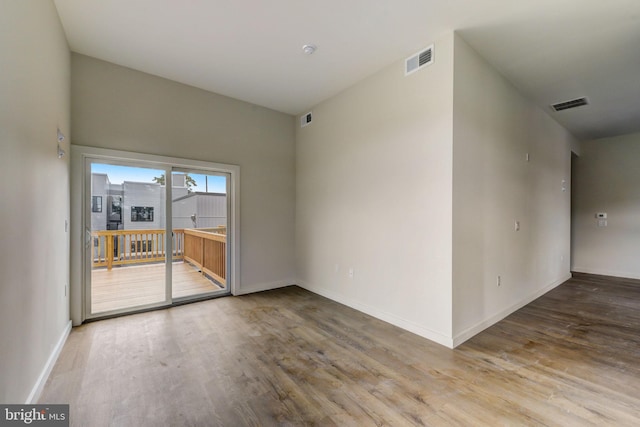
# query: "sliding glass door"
200,211
126,235
155,234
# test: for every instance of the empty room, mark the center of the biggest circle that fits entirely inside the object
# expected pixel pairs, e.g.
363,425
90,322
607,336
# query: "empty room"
222,213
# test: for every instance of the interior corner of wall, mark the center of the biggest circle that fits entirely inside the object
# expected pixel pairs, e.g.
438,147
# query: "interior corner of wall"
576,146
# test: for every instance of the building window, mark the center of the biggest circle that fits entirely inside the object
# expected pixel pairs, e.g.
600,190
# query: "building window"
96,203
141,214
116,208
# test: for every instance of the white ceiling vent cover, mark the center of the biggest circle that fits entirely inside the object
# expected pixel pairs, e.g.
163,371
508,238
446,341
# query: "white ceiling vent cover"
578,102
305,119
419,60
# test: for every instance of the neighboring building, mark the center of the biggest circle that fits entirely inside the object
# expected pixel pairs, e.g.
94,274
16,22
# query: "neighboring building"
200,210
100,188
141,205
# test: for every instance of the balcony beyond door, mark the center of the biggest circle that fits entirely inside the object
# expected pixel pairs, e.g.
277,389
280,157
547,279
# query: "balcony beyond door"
131,254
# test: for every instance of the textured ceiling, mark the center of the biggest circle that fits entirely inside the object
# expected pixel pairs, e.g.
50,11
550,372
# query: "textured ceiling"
552,50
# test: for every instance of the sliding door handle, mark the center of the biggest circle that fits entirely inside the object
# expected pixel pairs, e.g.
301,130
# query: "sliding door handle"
87,240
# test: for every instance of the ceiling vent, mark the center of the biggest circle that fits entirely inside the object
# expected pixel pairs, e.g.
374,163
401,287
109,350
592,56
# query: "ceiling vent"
419,60
305,119
578,102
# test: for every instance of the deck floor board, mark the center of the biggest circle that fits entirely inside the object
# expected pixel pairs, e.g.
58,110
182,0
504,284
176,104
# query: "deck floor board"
132,286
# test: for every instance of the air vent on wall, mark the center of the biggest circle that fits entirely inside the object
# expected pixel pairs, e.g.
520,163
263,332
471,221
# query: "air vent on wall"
305,119
419,60
578,102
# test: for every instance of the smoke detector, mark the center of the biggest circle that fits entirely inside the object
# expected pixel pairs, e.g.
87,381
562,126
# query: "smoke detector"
309,48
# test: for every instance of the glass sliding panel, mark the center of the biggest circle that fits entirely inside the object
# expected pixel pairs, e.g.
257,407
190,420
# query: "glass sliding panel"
127,227
199,220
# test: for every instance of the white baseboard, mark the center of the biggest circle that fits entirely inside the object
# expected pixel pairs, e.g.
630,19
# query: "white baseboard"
421,330
263,287
46,370
481,326
612,273
381,314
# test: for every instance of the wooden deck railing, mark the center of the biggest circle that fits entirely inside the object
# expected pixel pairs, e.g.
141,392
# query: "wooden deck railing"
205,248
121,247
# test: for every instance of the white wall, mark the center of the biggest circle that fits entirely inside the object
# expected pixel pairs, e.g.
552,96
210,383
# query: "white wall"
494,186
416,182
117,108
374,194
607,179
34,255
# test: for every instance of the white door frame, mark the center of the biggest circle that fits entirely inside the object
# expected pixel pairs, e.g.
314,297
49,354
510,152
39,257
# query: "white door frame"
79,155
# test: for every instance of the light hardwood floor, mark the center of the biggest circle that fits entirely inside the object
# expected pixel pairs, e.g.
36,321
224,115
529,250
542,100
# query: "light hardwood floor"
289,357
131,286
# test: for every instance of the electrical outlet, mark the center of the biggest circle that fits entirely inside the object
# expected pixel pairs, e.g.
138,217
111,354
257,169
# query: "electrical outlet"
499,281
517,225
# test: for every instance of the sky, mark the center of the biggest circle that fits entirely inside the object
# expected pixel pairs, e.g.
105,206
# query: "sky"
118,174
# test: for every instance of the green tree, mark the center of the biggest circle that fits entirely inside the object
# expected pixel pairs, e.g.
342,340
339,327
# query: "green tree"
188,179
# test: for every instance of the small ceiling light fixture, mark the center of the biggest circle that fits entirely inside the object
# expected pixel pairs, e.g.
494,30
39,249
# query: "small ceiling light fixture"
309,48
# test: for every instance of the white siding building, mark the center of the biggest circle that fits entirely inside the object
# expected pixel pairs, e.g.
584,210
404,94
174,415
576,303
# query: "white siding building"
200,210
141,205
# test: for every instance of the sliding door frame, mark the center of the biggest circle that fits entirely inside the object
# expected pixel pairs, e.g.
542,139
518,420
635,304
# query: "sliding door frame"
80,155
229,201
88,269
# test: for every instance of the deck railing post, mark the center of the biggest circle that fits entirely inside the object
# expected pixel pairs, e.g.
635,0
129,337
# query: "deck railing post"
109,254
202,254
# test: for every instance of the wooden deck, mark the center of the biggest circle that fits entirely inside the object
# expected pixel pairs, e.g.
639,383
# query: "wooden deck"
132,286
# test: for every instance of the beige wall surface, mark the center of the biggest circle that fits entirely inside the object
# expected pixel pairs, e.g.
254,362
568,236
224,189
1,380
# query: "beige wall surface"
607,180
374,195
118,108
494,186
34,182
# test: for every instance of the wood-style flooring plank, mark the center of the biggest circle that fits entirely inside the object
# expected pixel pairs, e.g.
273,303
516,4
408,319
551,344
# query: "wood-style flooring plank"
291,358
